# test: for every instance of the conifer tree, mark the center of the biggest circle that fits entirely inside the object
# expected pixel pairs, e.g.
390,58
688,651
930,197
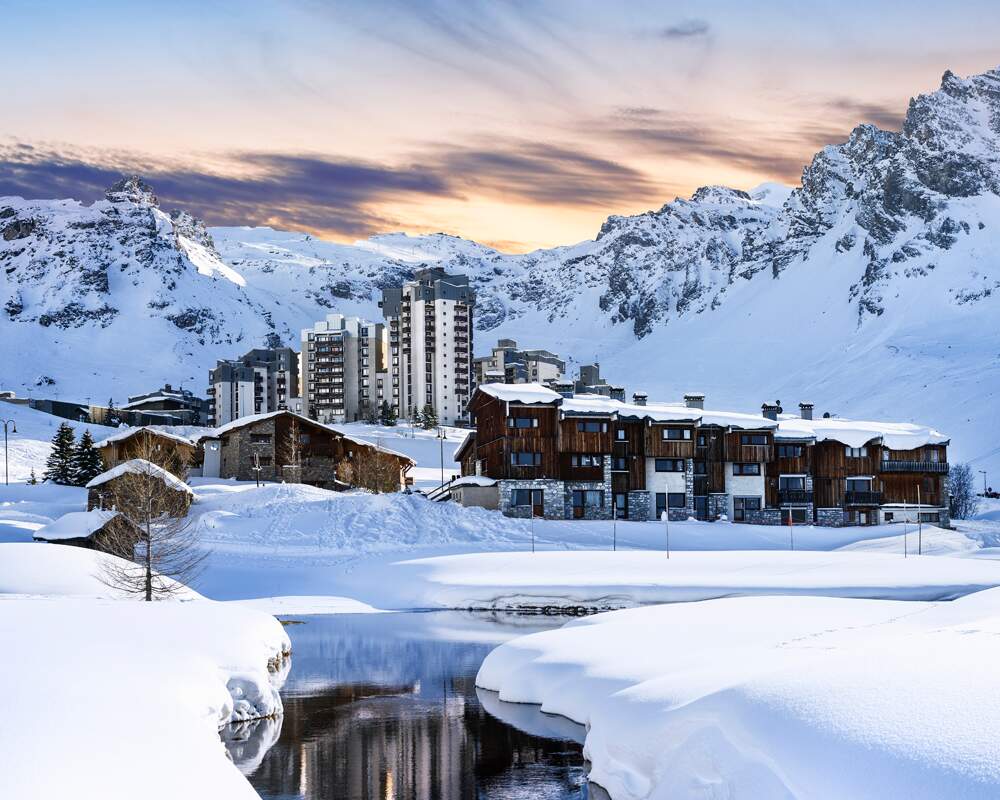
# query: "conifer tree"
87,462
59,464
114,416
387,414
32,479
429,417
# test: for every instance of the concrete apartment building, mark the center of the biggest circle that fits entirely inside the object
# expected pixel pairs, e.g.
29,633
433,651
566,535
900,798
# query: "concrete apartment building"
344,374
262,381
508,364
430,344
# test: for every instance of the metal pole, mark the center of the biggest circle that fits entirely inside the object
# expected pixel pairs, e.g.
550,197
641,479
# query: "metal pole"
904,526
791,530
983,472
6,468
441,441
532,528
666,529
920,526
614,527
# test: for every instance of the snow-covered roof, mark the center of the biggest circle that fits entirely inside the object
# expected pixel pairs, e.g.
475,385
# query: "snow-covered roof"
527,393
472,480
156,399
75,525
465,440
125,433
857,433
662,412
139,466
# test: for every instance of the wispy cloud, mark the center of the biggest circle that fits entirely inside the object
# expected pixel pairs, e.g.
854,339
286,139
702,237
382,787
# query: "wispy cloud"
335,196
887,116
686,29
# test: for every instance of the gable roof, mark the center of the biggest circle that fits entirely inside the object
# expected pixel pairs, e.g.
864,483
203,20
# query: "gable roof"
139,466
470,437
128,433
857,433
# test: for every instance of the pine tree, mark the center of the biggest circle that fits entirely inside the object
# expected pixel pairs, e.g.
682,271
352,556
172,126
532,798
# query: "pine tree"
59,464
429,417
114,416
87,462
387,414
32,479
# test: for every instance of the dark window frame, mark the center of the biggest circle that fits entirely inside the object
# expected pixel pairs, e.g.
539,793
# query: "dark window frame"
672,462
747,468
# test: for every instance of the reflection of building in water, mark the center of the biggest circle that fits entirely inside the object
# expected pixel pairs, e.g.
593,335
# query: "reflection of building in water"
370,742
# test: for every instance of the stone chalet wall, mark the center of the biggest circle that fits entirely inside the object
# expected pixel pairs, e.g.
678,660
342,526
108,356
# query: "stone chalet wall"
238,453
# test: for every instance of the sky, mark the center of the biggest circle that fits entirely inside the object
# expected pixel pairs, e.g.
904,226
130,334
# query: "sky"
518,124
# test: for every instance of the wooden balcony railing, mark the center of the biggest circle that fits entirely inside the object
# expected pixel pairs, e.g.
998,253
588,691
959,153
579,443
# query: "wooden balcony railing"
862,498
939,467
794,496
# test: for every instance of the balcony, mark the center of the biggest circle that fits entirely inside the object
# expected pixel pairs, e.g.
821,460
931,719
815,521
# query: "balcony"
793,496
862,498
940,467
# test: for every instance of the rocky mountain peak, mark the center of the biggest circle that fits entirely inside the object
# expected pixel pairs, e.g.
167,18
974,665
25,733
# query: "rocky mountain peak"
192,228
132,189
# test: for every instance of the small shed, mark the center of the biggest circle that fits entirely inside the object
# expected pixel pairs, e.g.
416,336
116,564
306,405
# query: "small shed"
107,489
106,531
475,490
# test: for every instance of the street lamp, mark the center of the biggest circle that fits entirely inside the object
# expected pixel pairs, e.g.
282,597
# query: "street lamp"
983,473
441,436
13,429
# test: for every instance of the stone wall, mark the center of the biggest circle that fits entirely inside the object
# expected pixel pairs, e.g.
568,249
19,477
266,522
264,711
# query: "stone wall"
640,507
718,505
238,452
766,516
602,512
831,517
553,499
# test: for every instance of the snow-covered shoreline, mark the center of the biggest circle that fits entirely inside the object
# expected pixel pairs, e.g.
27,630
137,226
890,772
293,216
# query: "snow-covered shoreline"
773,697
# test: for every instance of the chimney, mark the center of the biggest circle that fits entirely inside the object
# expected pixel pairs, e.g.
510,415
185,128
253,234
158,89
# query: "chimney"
639,398
617,393
806,410
694,400
565,388
770,410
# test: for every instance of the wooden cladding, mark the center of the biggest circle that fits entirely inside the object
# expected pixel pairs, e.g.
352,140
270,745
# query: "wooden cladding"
659,445
574,440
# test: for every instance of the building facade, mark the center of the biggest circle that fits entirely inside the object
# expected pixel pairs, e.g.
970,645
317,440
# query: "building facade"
508,364
262,381
430,328
343,369
587,456
176,406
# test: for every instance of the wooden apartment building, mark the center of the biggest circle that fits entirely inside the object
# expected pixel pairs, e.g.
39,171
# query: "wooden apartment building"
565,456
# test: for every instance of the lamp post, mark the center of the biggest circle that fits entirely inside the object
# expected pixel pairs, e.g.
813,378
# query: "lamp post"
441,436
983,473
13,429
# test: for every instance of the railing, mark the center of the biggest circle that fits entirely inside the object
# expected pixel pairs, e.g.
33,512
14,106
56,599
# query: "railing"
794,496
914,466
862,498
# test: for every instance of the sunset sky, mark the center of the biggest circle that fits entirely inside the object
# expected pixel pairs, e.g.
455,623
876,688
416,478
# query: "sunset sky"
518,124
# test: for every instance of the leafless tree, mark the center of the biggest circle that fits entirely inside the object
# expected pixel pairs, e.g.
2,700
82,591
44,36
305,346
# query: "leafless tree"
165,553
292,452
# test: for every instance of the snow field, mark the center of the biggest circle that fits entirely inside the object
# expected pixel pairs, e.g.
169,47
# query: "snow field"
773,697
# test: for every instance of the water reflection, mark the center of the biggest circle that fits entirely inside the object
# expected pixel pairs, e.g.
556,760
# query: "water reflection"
385,706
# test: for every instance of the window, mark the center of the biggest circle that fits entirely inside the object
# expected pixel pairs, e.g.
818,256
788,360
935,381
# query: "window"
675,434
526,459
859,484
587,460
588,498
702,440
618,464
795,483
753,438
930,516
304,438
798,515
522,422
260,438
935,455
856,452
591,427
746,469
265,461
526,497
661,503
620,434
676,500
700,468
743,504
669,464
790,451
889,516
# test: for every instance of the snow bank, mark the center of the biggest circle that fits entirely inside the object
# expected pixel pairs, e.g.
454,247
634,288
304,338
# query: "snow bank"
75,525
306,604
148,686
774,697
625,578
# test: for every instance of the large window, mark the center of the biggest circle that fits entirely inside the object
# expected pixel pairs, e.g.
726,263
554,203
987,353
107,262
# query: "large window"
793,483
677,434
587,460
669,464
522,422
700,468
618,464
588,498
260,438
752,468
859,484
588,426
743,504
798,515
856,452
665,500
753,438
790,451
526,459
526,497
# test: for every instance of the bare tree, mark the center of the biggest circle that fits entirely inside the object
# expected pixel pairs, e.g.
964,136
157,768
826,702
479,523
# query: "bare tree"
292,452
165,555
963,499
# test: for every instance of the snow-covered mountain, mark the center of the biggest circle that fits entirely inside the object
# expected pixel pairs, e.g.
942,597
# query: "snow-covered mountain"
873,288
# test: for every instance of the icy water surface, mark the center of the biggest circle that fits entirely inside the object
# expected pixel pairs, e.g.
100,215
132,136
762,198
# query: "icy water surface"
381,706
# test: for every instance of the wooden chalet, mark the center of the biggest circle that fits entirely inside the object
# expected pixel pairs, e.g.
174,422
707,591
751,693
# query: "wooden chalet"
106,531
117,490
175,453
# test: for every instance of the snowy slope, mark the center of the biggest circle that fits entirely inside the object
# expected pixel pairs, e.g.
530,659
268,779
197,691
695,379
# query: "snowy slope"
873,289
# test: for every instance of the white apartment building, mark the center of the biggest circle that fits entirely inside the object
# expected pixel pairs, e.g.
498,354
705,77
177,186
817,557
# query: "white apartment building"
430,344
343,369
508,364
259,382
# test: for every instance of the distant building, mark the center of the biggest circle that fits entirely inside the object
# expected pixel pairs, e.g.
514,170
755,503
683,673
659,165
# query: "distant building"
175,406
508,364
430,343
589,381
259,382
343,369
